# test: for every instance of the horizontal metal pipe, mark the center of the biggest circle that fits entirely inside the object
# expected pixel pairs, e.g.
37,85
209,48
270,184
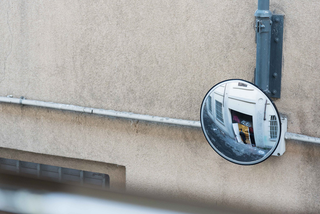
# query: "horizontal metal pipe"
300,137
112,113
129,115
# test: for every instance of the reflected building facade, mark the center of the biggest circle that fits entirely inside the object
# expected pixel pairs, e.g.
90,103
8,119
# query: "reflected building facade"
237,107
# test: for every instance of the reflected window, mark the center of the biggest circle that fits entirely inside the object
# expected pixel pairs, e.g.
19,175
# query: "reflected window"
209,104
219,114
273,127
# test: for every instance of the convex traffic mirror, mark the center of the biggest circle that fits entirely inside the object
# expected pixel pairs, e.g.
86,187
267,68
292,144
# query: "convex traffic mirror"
240,122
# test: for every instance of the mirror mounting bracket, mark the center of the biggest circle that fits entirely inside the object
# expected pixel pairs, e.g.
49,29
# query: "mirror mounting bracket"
269,39
276,44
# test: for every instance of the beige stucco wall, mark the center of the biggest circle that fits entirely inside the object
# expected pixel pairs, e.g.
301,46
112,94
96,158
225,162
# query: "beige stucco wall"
159,58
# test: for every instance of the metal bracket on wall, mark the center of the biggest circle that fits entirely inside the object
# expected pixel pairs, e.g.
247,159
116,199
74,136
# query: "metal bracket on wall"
275,67
276,56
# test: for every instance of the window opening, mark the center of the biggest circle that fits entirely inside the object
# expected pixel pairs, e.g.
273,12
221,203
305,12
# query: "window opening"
219,114
245,127
273,127
209,104
55,173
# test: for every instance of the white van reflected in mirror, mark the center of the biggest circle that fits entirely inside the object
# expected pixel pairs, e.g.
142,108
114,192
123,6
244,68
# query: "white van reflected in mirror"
240,122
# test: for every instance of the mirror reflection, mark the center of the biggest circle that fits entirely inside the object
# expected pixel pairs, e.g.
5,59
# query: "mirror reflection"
240,122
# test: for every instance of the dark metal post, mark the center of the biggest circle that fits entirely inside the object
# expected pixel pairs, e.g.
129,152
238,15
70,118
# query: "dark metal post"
263,34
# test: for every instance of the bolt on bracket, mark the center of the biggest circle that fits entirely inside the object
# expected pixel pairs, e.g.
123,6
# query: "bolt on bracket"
276,45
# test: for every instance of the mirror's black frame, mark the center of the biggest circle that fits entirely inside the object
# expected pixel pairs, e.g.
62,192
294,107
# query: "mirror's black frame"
269,153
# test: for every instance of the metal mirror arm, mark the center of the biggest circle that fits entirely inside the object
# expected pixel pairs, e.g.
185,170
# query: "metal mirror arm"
300,137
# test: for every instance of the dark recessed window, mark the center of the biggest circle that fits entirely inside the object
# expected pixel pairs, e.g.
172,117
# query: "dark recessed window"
55,173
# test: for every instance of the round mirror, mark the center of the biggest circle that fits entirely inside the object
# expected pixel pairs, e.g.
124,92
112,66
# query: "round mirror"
240,122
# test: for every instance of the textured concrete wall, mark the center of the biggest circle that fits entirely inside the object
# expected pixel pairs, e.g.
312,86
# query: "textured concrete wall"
159,58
